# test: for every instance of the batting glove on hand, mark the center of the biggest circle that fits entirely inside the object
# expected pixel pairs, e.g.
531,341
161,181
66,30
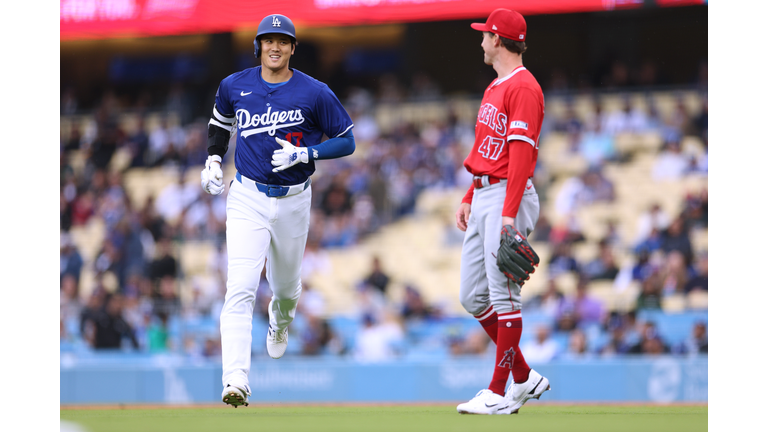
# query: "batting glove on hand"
288,156
516,258
211,177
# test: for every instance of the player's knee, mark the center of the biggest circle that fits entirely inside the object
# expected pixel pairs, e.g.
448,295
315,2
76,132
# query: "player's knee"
242,281
238,304
286,290
472,305
241,296
242,286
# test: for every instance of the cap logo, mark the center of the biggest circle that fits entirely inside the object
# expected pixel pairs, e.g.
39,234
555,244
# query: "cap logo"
522,36
275,21
494,27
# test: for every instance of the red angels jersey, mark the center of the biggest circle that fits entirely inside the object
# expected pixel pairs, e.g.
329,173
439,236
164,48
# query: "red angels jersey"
512,109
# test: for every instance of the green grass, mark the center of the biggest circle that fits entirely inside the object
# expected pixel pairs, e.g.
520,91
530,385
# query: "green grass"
390,418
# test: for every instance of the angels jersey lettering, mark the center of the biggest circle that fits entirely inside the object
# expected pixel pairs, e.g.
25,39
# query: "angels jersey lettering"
512,109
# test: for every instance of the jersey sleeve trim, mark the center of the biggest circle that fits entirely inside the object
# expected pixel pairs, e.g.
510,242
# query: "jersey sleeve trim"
345,130
215,122
522,138
221,117
223,121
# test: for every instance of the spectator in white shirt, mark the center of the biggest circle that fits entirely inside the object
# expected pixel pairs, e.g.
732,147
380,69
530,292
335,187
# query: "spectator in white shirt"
175,198
542,349
654,217
672,163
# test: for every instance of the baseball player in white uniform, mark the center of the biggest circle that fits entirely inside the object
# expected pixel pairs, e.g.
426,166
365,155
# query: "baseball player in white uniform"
280,116
501,203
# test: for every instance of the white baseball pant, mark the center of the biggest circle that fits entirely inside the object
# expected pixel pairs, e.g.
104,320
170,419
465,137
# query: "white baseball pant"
259,228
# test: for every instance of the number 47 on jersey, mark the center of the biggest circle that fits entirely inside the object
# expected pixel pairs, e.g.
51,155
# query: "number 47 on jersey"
491,147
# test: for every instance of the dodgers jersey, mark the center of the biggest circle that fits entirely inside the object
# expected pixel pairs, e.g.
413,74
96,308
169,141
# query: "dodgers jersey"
299,111
512,109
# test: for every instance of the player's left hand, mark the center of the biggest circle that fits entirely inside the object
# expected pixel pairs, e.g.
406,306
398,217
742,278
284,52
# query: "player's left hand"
516,258
288,156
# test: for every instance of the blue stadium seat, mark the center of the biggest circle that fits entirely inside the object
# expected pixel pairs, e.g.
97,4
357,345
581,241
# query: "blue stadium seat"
72,327
674,328
534,319
561,338
200,327
346,327
426,352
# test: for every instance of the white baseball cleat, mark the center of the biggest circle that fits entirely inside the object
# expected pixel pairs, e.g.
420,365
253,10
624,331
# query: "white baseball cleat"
519,394
235,396
277,342
486,402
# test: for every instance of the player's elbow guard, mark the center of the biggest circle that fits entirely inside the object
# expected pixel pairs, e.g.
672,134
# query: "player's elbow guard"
218,140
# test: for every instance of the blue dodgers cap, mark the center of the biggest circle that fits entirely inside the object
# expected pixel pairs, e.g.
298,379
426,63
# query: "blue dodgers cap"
274,23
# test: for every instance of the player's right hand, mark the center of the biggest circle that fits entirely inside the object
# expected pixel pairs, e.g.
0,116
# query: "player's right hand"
462,216
288,156
211,177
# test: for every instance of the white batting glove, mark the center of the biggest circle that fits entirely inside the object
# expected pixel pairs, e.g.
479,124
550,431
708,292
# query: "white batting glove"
288,156
211,177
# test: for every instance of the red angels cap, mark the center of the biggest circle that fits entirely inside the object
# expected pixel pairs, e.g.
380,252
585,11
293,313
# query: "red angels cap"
505,23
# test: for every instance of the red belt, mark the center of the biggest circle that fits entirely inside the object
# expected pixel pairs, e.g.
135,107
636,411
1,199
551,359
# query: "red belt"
479,183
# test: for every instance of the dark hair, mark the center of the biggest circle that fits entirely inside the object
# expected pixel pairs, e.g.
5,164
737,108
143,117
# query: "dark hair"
513,46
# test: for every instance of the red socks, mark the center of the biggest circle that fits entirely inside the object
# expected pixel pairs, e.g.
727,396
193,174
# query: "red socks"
508,355
489,320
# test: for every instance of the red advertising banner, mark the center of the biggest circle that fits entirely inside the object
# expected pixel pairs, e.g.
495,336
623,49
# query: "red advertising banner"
96,19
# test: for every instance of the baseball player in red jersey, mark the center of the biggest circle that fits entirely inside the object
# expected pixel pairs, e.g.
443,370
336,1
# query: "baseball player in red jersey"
502,162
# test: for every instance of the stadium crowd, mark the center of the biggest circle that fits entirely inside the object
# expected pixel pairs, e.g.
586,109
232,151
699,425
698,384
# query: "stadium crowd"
135,303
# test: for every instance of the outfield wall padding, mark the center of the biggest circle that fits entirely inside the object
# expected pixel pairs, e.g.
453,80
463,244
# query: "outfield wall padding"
663,379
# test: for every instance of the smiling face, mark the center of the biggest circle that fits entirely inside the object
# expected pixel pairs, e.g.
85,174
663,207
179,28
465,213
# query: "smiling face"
276,51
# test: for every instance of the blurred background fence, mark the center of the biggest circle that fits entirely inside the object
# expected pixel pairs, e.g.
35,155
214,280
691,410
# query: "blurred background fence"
622,178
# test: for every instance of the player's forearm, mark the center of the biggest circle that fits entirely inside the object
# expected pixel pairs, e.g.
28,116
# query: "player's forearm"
219,132
468,196
333,148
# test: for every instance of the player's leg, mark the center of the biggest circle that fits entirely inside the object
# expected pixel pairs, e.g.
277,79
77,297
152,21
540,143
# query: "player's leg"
504,298
289,238
474,296
473,286
527,216
525,222
526,383
247,243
